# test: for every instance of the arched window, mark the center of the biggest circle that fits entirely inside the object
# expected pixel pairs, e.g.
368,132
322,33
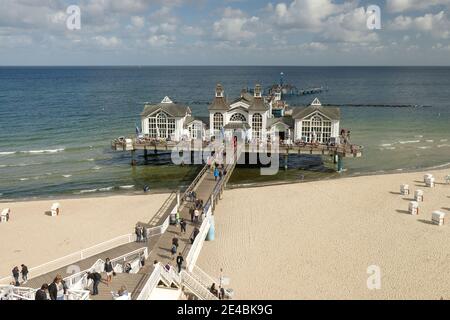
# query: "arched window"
238,117
316,128
257,126
217,122
161,126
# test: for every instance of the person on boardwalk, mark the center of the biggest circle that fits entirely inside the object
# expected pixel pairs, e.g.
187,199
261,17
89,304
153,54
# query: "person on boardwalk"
194,235
196,215
183,226
173,251
41,294
216,174
57,289
24,273
180,261
138,232
96,278
109,271
191,211
144,234
16,273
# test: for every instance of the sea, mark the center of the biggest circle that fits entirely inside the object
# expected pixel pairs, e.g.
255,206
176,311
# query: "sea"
57,123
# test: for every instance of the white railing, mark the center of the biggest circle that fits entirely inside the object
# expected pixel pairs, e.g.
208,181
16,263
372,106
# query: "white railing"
75,257
204,278
170,276
151,284
199,290
10,292
78,294
196,247
156,231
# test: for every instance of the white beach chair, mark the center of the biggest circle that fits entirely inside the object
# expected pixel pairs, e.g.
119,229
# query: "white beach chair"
427,176
414,208
404,189
447,179
55,210
438,218
430,182
418,196
4,217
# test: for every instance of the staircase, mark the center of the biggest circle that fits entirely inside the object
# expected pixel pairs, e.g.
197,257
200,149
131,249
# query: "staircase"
194,286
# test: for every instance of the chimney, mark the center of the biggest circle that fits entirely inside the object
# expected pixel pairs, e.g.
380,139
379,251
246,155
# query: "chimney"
219,91
258,91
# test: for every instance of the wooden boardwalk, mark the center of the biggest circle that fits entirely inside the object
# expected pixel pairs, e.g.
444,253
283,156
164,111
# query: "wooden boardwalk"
159,247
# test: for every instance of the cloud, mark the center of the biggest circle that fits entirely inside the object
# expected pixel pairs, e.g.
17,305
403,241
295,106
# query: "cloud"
306,14
107,42
396,6
438,25
235,25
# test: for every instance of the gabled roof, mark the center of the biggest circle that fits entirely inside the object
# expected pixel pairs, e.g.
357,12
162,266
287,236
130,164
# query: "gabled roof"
332,113
191,119
219,104
288,121
168,106
245,97
258,104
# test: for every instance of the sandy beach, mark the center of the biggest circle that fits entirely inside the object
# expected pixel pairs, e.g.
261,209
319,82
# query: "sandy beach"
316,240
33,238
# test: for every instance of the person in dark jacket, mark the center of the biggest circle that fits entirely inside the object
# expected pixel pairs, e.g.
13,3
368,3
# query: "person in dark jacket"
109,271
180,261
41,294
96,278
24,273
57,289
16,273
183,226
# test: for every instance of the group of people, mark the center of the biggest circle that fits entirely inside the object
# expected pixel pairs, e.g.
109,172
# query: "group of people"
141,233
219,172
219,293
16,275
57,290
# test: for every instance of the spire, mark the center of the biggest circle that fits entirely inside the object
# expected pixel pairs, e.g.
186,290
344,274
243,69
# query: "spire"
219,91
258,91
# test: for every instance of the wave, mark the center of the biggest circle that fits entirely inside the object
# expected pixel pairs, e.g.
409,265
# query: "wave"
67,175
44,151
411,141
443,140
126,187
430,141
24,179
443,145
106,189
386,145
5,153
88,191
96,168
423,148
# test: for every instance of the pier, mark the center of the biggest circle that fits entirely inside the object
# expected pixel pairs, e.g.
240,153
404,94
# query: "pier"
143,281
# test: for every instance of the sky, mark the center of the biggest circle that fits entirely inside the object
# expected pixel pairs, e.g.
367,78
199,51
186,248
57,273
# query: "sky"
225,32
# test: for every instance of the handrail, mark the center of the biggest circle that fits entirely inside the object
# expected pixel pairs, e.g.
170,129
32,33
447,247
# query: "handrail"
204,278
151,283
75,257
196,287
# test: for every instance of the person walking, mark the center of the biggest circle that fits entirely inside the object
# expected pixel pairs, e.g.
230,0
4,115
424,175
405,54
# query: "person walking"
96,278
144,234
173,250
138,233
183,226
16,273
24,273
57,289
41,294
196,215
191,211
180,261
109,271
216,174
